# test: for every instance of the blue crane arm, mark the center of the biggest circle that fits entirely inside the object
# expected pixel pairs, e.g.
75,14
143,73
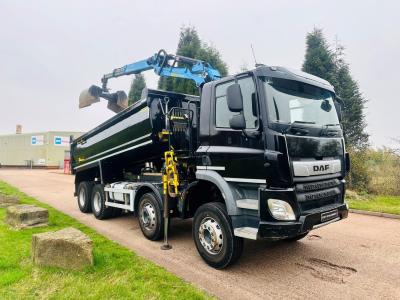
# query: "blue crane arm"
163,64
168,65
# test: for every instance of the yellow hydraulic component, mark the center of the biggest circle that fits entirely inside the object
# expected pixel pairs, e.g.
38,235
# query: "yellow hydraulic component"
170,176
173,118
163,135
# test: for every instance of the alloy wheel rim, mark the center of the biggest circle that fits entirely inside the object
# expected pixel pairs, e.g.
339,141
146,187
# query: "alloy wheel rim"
148,216
97,202
211,236
82,198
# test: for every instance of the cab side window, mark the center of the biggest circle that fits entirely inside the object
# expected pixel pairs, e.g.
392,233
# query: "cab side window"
249,102
223,114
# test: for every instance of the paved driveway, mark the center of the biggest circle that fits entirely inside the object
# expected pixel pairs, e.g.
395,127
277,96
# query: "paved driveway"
356,258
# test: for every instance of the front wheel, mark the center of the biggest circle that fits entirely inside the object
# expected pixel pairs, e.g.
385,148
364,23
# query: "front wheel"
213,236
150,217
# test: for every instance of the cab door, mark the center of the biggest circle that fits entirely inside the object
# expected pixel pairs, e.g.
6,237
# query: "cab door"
238,155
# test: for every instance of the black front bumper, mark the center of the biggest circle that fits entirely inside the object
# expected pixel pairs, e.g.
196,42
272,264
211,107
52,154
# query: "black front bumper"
307,221
327,196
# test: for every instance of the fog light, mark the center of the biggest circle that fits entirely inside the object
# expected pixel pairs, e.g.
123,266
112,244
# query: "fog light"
281,210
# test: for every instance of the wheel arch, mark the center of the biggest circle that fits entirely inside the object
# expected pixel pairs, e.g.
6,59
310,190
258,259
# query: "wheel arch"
89,174
209,182
144,189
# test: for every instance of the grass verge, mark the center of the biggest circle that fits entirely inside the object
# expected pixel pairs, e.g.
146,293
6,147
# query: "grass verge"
117,273
384,204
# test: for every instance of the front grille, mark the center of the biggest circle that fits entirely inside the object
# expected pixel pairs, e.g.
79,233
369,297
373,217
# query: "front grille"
317,194
303,197
319,185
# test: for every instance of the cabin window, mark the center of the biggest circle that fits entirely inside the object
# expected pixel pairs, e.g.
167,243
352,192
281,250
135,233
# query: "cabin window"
222,112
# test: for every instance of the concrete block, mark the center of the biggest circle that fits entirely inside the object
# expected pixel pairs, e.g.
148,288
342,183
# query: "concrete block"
68,248
6,200
24,215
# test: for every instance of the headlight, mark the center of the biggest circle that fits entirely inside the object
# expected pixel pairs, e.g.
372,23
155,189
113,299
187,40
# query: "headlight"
281,210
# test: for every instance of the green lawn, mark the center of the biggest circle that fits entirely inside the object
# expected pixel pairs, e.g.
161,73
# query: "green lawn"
117,273
385,204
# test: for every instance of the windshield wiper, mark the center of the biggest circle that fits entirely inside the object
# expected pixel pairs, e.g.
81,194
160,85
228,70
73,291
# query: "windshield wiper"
297,129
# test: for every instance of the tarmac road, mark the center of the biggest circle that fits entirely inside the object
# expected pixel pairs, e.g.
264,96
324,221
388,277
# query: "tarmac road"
355,258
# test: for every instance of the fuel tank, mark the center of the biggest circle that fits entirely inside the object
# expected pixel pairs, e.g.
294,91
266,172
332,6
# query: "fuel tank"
132,133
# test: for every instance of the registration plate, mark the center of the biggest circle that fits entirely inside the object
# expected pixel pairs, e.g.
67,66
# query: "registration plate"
329,215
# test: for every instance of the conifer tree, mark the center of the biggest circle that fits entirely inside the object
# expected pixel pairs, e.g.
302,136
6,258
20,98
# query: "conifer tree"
137,85
322,61
190,45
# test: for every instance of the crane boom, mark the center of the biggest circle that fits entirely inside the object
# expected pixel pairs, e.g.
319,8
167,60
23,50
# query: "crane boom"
163,64
169,65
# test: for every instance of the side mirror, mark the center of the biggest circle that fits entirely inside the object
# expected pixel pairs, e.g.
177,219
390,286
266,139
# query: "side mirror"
237,122
326,106
234,98
339,106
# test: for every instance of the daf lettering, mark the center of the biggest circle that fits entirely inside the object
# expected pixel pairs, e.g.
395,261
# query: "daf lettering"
321,168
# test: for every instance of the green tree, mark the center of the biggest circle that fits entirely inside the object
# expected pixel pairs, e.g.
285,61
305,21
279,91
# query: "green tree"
190,45
137,85
319,59
347,88
322,61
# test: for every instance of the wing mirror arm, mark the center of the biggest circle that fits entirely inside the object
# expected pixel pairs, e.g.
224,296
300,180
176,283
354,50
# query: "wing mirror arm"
251,134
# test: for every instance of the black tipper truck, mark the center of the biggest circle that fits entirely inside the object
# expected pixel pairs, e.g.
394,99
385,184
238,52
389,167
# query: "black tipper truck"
259,155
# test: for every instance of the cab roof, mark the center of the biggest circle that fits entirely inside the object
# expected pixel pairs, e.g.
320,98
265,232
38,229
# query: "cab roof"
291,74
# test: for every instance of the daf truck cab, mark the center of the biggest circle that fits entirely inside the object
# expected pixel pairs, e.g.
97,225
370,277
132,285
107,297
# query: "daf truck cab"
272,142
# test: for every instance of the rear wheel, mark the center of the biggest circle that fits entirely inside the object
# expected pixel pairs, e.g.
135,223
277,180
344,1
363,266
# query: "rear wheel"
84,194
150,217
100,211
213,236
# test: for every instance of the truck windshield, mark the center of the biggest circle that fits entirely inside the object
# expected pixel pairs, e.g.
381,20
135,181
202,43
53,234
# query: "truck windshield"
291,101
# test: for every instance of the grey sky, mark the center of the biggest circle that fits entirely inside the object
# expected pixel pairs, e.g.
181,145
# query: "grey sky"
51,50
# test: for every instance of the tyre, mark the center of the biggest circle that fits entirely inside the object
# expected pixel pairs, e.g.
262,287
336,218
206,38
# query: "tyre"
150,217
297,237
84,193
99,209
213,236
